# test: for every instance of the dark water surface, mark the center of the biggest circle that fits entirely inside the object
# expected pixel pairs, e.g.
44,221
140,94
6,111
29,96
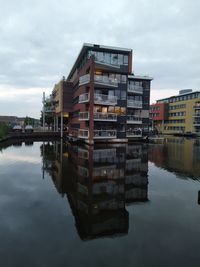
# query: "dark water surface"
124,205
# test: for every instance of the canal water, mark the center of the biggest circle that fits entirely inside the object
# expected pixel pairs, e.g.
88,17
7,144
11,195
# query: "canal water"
111,205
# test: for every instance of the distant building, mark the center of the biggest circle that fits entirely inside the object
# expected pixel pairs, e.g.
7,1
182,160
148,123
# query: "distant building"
102,99
177,114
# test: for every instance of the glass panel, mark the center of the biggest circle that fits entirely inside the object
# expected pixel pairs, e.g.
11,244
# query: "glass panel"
100,56
123,95
117,93
123,111
111,109
120,59
123,78
107,58
114,59
125,60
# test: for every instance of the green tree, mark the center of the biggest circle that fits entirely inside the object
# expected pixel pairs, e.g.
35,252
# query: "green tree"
48,119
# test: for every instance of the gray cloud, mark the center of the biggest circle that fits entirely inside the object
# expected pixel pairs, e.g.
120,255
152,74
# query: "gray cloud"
40,40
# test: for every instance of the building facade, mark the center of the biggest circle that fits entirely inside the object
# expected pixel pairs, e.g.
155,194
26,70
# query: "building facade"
108,102
177,114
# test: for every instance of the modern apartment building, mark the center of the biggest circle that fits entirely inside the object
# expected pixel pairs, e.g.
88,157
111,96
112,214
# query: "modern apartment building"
108,102
177,114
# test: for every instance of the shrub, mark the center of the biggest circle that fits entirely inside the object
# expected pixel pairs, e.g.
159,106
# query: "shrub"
4,129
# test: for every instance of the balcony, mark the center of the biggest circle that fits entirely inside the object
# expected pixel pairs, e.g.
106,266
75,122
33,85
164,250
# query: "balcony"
135,89
84,134
134,103
105,81
197,106
99,116
196,115
196,123
135,133
101,99
105,134
49,109
84,98
49,99
133,119
84,79
84,116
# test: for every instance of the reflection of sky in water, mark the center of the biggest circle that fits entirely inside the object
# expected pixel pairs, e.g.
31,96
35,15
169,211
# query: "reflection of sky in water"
37,226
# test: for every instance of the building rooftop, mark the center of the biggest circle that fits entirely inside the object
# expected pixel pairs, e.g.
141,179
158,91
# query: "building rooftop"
97,47
178,95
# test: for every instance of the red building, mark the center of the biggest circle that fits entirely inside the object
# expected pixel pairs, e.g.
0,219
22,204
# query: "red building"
158,114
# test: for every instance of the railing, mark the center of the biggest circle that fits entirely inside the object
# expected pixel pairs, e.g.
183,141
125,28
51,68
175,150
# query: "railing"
84,79
135,89
196,115
134,103
84,116
105,80
84,98
105,99
83,133
196,123
49,109
133,119
99,116
98,134
134,133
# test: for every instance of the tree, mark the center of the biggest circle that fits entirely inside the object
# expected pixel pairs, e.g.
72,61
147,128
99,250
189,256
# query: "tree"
48,119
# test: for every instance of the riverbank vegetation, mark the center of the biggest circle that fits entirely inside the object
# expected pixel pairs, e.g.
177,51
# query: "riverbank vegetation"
4,129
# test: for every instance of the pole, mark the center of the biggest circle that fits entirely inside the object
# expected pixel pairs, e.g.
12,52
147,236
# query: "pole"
43,111
54,123
61,125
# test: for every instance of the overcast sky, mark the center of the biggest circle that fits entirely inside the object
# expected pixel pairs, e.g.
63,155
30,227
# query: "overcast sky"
40,40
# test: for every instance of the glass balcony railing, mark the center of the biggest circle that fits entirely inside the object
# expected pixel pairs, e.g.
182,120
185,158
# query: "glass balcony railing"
99,116
98,134
134,103
83,133
196,123
84,116
105,99
197,115
134,133
135,89
84,98
49,109
84,79
105,80
133,119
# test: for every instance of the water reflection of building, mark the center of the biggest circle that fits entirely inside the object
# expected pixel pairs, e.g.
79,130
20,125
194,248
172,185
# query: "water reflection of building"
99,182
179,155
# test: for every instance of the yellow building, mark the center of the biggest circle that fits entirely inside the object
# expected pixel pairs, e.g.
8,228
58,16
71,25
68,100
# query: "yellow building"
183,113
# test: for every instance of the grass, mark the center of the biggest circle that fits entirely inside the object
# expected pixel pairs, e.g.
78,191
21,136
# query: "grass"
4,129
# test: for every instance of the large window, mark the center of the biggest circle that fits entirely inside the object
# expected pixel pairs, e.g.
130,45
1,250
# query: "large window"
109,58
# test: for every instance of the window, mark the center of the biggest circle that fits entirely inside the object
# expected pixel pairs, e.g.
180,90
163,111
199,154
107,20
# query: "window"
117,94
125,60
120,59
123,95
107,58
123,111
123,78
